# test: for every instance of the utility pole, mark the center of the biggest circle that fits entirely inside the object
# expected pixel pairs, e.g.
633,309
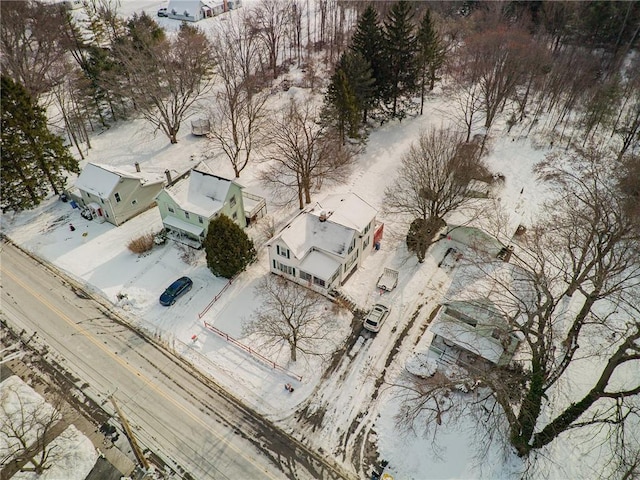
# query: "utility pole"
129,433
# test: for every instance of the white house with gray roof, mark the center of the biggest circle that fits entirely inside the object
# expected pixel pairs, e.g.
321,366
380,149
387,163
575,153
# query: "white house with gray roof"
115,194
323,245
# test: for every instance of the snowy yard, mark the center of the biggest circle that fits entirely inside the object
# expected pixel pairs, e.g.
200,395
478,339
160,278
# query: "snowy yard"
97,254
358,398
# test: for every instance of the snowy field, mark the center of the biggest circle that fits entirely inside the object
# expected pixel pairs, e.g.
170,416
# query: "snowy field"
96,254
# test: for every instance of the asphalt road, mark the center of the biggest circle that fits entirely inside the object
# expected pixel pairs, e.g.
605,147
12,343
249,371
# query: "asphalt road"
173,410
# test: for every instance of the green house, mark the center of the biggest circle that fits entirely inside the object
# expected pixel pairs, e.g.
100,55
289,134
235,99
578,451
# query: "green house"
187,206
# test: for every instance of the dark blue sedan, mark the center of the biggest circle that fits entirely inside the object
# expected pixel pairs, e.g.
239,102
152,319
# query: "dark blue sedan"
175,290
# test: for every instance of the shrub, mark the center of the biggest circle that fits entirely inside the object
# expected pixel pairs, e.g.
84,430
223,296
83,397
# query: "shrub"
141,244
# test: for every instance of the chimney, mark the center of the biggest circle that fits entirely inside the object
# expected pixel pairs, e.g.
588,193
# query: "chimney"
137,165
323,215
168,175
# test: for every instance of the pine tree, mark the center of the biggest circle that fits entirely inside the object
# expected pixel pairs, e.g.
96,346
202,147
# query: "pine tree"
349,94
228,248
368,41
340,108
401,47
431,54
32,156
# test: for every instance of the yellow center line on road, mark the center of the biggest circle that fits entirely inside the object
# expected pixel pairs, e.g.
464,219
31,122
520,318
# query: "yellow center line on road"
130,368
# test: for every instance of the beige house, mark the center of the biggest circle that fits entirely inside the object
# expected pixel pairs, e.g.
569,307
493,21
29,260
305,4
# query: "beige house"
115,195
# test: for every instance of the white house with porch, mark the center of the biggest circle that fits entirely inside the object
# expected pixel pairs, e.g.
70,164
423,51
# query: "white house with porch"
324,244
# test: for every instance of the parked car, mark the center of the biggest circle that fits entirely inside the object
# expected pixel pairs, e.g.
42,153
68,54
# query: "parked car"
175,290
376,317
163,12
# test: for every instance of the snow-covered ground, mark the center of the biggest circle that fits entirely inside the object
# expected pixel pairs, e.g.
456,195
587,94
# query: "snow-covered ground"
96,254
72,455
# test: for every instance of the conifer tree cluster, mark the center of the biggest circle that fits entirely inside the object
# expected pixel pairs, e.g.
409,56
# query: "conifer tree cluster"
228,248
34,160
388,64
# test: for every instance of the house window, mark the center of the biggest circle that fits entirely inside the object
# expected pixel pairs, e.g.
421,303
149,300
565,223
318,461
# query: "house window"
186,214
318,281
232,201
334,276
305,276
366,242
171,210
134,201
102,200
367,228
352,246
200,220
283,252
284,268
117,196
235,215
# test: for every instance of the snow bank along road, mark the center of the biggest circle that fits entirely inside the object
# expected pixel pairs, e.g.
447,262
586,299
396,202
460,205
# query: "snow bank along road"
189,421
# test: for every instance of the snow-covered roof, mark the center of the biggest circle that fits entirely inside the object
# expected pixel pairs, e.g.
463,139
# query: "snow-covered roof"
201,193
494,216
452,323
348,210
344,215
191,6
320,265
101,180
464,336
182,225
307,231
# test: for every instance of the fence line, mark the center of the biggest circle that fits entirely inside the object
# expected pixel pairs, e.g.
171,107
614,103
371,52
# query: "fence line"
251,351
215,299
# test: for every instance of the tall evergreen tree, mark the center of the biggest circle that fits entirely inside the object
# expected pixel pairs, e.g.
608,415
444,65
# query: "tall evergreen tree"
228,248
400,45
431,55
33,158
349,95
368,41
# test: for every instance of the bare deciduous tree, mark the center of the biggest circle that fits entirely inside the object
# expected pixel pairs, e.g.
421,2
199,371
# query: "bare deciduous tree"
434,176
27,424
239,113
292,316
269,21
32,44
571,295
495,60
303,154
165,76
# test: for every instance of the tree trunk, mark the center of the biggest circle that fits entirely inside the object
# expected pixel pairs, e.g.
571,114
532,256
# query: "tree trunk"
522,430
294,351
